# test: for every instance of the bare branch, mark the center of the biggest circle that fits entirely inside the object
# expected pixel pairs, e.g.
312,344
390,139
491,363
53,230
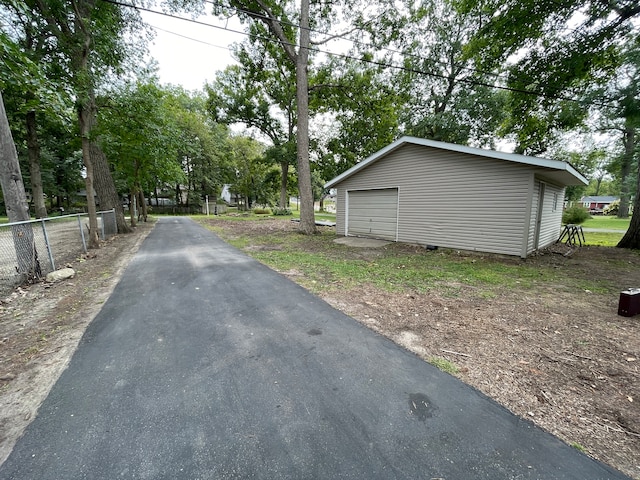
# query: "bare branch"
320,86
270,20
333,37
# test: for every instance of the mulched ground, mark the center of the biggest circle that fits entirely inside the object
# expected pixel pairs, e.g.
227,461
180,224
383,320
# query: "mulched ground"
561,358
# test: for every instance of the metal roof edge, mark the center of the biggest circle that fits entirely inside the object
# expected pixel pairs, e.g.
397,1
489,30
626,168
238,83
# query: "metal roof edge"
511,157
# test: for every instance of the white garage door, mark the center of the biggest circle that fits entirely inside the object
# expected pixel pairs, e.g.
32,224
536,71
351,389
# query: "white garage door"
373,213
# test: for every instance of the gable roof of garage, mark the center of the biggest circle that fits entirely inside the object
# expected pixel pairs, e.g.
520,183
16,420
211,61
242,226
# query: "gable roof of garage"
558,170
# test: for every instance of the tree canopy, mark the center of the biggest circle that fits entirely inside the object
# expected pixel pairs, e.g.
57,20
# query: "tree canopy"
318,87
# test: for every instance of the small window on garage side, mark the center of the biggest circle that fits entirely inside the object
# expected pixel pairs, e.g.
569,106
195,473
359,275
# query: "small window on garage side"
555,202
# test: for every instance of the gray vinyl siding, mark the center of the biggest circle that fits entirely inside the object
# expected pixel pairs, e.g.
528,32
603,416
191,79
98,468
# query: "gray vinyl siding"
551,220
531,239
450,199
341,211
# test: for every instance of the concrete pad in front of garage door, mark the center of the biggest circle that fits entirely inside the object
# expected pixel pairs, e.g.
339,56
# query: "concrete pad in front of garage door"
362,242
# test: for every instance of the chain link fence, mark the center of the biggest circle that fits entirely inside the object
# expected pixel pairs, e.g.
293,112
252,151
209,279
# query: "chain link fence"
32,249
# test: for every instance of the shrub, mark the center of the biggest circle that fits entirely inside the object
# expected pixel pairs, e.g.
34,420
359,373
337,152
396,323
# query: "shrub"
575,215
612,208
281,211
262,211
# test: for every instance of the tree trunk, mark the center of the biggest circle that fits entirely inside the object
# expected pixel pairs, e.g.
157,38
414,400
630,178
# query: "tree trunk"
33,147
84,119
598,183
106,188
15,199
631,239
628,139
132,206
307,217
142,205
284,165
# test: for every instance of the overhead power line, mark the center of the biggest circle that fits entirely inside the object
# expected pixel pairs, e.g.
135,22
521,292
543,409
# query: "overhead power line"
385,65
190,38
329,36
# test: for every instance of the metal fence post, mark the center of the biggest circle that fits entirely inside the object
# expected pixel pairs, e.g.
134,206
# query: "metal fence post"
102,225
48,245
84,242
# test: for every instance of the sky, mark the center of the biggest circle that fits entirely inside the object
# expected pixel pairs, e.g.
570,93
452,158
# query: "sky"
188,53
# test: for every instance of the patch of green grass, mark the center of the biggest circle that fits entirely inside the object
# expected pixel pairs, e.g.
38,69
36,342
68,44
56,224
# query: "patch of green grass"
444,365
487,295
602,239
579,447
331,217
326,266
607,222
30,352
393,269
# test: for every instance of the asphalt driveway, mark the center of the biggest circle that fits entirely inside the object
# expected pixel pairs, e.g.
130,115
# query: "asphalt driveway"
204,364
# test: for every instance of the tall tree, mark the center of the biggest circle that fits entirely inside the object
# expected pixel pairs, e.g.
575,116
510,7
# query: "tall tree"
447,98
32,98
15,199
291,26
12,185
618,111
202,145
136,132
260,93
11,180
278,18
628,108
92,39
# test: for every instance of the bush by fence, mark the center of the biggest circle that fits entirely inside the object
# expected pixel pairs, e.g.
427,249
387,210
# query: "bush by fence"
37,247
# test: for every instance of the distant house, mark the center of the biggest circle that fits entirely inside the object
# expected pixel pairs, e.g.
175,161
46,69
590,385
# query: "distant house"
231,198
434,193
597,204
226,193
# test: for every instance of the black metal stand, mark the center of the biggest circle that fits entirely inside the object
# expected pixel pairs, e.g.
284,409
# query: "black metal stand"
572,235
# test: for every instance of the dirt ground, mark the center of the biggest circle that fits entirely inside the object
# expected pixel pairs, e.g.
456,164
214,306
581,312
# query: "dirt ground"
564,360
41,325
